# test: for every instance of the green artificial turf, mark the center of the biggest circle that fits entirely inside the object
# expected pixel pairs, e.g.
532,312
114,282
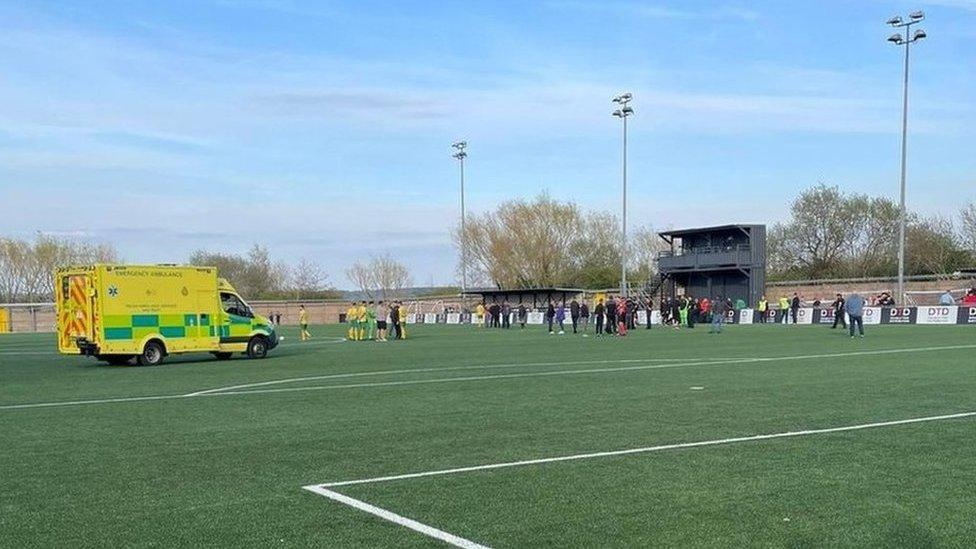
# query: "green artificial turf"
228,469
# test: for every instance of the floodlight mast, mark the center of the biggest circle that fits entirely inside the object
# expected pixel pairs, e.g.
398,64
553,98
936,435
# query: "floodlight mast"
907,40
460,155
622,113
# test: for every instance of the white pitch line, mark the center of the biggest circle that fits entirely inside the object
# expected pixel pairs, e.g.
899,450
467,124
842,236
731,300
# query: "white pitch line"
430,531
489,377
573,372
644,450
442,369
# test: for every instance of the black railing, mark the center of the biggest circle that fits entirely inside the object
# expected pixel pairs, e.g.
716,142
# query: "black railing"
703,250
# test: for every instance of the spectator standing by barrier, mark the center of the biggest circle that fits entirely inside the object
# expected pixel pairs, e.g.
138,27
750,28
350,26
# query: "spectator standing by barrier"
855,313
506,315
584,316
523,315
795,307
763,308
839,311
600,312
574,313
784,310
947,299
970,298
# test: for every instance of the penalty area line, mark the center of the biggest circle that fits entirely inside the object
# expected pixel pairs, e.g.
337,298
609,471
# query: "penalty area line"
390,516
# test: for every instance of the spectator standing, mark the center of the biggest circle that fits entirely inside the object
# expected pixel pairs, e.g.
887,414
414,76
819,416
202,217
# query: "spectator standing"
970,298
763,308
947,299
650,310
584,316
600,312
795,307
719,310
622,317
839,306
611,326
855,313
561,317
523,315
506,315
784,310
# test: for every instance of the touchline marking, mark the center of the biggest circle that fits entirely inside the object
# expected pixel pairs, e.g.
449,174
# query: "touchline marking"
442,369
485,377
430,531
644,450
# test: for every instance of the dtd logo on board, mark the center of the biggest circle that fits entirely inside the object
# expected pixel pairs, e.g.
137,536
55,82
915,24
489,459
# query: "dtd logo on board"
900,315
937,315
967,315
827,316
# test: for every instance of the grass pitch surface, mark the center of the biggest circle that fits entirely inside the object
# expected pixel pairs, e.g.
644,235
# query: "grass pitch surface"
226,468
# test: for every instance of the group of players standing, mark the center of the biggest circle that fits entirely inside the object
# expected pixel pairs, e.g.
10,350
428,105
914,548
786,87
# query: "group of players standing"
373,321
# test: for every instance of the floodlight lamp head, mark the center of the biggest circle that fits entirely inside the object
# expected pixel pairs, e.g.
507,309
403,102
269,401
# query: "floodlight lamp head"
894,21
917,15
919,34
628,111
460,145
896,39
618,113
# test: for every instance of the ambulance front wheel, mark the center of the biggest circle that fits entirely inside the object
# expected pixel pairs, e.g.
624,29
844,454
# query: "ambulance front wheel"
152,354
257,347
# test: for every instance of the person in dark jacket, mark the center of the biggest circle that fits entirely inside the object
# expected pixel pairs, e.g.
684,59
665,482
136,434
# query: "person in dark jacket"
506,315
584,316
839,312
574,313
523,316
611,326
650,309
550,316
599,312
795,307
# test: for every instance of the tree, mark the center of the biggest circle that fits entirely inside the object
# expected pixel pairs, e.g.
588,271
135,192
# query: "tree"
255,275
967,227
27,267
307,278
934,247
820,233
381,277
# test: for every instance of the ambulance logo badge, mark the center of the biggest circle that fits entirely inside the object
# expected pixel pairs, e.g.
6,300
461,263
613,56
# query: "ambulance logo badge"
113,291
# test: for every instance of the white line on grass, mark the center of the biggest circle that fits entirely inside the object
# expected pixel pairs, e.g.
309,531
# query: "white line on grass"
576,372
397,519
442,369
488,377
644,450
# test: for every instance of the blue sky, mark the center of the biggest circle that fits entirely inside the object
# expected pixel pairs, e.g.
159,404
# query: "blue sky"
323,129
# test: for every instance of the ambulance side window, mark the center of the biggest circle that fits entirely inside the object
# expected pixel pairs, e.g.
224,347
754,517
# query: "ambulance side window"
232,305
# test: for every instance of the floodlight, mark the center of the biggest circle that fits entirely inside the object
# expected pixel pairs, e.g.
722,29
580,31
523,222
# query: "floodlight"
618,114
919,34
917,15
896,39
895,21
628,110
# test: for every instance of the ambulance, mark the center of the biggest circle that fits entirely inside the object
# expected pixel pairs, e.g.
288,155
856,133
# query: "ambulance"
117,313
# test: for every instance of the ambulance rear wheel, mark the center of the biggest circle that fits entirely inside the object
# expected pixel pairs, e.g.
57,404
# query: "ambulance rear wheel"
257,347
223,356
152,354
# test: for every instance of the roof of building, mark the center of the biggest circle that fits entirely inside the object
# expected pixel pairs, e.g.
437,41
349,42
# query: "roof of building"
682,232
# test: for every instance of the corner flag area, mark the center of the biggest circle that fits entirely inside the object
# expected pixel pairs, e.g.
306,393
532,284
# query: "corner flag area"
759,436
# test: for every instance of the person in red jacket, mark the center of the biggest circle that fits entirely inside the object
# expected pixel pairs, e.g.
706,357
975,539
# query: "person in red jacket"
621,317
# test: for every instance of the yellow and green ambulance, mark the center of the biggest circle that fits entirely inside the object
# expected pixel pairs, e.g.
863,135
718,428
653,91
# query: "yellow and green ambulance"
119,312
